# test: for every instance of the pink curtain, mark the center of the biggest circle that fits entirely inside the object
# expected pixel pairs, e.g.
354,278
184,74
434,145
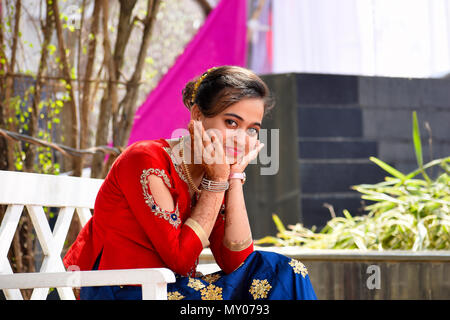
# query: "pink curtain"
220,41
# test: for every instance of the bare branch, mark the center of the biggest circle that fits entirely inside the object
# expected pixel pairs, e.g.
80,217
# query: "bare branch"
65,150
9,85
67,77
206,7
124,29
128,103
109,61
86,98
30,154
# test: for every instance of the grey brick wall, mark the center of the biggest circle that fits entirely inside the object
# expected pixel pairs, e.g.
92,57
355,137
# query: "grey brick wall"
340,121
387,105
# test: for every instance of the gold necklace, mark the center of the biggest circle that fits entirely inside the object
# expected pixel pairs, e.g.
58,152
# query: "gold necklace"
188,174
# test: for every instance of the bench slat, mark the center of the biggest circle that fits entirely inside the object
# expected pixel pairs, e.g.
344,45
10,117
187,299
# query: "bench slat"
84,214
8,229
70,194
10,294
47,190
154,281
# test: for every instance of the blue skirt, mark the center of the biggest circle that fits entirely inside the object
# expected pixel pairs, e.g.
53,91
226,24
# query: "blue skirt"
263,275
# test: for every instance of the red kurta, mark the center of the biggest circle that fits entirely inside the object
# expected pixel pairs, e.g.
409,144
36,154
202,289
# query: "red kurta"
131,231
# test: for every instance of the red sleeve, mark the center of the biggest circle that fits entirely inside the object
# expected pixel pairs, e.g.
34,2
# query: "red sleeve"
227,259
176,243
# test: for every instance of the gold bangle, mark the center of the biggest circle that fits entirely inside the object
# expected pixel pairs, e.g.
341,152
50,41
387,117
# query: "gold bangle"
238,245
197,228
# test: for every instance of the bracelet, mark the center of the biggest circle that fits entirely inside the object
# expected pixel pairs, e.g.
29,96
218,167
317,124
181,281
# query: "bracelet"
238,175
214,186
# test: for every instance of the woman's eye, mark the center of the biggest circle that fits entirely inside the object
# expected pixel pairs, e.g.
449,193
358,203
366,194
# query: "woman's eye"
231,122
253,131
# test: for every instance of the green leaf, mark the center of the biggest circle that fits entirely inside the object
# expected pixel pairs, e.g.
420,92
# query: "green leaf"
347,214
278,223
19,166
391,170
418,146
430,164
51,48
417,141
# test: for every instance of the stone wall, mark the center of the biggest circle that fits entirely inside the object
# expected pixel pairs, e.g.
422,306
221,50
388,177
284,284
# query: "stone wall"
329,126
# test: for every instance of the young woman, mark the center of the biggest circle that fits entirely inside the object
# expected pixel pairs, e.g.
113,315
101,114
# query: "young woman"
164,201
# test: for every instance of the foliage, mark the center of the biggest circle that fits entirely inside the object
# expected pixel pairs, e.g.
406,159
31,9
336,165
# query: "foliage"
73,73
408,213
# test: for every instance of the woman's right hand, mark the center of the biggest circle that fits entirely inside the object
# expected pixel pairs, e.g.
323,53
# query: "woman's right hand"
209,147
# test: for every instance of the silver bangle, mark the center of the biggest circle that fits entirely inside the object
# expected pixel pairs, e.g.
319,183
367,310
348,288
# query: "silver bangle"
214,186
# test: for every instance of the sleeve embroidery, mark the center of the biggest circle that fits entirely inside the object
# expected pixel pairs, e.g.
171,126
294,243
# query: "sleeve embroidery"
239,246
177,166
160,173
172,217
197,228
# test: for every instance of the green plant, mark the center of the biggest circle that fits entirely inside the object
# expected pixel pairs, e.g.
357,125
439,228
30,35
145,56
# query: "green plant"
409,212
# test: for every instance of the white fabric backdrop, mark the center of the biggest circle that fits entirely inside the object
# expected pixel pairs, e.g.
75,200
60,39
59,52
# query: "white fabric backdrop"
403,38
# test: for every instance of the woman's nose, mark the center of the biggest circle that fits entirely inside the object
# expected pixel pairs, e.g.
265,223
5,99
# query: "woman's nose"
240,139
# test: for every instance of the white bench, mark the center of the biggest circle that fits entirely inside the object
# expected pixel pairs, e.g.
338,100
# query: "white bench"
72,195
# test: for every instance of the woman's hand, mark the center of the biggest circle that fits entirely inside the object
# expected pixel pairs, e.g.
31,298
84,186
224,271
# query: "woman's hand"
208,146
249,155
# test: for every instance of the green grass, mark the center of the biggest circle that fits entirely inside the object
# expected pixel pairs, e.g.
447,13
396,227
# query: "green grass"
409,212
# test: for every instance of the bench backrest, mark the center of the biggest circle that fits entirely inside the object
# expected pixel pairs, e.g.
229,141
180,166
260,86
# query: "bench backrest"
34,191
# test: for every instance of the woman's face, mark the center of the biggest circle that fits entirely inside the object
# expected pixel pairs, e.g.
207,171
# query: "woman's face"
239,124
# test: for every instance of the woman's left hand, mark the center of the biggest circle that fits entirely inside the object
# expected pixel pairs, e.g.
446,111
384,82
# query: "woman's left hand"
249,155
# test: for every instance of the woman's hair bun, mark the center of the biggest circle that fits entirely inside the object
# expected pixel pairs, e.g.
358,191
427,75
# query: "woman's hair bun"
220,87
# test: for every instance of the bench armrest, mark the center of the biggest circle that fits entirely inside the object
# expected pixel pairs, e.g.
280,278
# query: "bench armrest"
153,280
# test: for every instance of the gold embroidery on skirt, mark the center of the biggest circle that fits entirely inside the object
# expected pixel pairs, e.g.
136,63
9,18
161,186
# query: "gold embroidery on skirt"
211,278
260,288
175,296
298,267
195,284
211,292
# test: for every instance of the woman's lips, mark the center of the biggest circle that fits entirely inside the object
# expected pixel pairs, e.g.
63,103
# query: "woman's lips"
233,151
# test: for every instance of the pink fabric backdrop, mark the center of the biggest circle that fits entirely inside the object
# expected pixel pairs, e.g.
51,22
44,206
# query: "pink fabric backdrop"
220,41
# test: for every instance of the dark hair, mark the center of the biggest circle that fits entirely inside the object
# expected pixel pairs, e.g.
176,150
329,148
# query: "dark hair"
224,86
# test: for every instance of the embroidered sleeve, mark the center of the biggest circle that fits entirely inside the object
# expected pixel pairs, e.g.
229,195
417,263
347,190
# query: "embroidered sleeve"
173,217
177,244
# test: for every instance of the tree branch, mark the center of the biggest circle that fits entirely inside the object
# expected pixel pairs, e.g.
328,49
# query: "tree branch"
86,96
65,150
109,62
30,154
3,119
128,103
206,7
9,86
67,77
123,34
